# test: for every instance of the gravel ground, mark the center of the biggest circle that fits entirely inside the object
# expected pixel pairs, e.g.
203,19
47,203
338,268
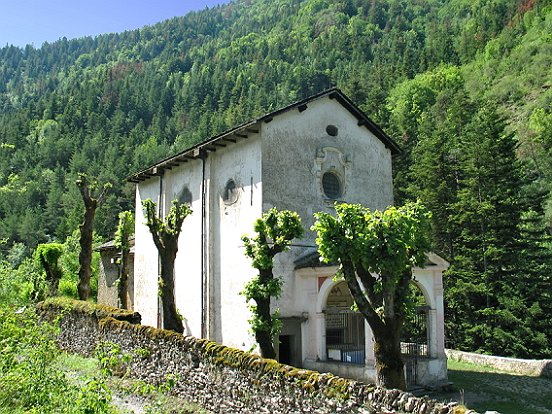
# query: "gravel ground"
482,388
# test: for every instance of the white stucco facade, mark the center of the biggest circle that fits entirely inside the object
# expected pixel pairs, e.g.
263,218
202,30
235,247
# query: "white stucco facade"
279,160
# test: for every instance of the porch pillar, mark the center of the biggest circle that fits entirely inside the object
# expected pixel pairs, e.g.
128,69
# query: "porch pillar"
438,315
369,357
432,332
320,319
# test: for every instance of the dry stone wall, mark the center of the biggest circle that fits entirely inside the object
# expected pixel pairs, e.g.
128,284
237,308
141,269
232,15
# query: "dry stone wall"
222,379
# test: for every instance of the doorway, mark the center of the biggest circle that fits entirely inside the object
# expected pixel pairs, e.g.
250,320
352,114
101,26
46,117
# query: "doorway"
285,349
289,347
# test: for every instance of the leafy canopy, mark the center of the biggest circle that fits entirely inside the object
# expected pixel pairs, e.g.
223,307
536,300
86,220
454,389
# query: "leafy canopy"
387,242
169,227
275,230
49,252
125,229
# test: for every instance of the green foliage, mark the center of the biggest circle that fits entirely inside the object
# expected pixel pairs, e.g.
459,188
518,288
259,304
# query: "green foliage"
125,230
462,162
112,104
111,359
255,289
387,242
48,256
49,253
70,266
275,232
171,226
376,252
21,285
30,381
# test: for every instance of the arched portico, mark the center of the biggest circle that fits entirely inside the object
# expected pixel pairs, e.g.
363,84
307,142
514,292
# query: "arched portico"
357,345
431,368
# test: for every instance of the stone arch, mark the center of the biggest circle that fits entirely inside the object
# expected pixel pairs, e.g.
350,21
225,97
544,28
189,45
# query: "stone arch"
343,330
425,289
324,292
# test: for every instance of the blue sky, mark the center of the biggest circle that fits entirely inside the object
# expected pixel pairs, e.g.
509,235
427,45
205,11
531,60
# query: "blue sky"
37,21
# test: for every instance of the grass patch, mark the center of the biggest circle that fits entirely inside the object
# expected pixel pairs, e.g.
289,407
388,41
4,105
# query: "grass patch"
484,388
129,396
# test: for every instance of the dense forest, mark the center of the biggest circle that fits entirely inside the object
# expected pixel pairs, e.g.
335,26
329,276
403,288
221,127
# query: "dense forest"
463,86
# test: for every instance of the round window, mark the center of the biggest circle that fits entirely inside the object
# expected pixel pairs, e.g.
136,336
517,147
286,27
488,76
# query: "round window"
331,185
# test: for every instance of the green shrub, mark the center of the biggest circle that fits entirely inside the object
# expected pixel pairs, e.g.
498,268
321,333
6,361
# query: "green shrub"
68,287
20,285
29,379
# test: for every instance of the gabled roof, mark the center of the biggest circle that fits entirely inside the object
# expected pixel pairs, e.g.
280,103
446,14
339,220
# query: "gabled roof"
243,131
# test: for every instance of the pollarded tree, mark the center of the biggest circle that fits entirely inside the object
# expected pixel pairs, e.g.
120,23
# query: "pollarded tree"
275,231
125,230
48,256
92,198
165,236
376,252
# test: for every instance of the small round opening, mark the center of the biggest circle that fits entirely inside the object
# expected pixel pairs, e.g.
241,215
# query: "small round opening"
331,185
332,130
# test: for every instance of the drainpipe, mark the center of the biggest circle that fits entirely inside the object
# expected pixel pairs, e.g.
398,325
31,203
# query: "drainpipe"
161,215
204,247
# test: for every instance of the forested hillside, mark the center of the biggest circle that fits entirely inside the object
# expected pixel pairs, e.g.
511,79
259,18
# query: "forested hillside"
463,86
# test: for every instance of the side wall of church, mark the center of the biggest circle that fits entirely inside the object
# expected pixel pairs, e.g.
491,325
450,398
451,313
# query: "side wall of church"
211,268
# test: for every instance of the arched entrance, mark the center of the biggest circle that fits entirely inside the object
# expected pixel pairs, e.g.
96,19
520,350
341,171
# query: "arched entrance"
345,335
415,337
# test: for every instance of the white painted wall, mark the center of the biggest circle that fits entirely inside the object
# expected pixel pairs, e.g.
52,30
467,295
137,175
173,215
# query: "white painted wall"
230,268
145,259
188,260
226,267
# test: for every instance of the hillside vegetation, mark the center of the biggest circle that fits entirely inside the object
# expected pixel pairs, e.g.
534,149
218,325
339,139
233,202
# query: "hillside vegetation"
463,86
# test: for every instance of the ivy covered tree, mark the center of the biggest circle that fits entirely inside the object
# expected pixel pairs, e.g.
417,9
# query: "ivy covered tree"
275,231
165,235
125,230
92,197
48,256
376,251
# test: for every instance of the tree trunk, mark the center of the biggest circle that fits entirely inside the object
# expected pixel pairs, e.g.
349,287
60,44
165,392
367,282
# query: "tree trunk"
171,318
53,276
389,363
123,280
85,255
264,337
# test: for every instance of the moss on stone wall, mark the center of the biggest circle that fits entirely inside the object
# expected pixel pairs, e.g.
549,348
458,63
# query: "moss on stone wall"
59,304
213,374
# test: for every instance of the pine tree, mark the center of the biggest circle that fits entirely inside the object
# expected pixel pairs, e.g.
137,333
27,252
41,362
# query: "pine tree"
488,209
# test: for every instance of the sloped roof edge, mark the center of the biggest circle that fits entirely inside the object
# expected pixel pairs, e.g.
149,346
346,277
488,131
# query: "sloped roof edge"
243,131
311,258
